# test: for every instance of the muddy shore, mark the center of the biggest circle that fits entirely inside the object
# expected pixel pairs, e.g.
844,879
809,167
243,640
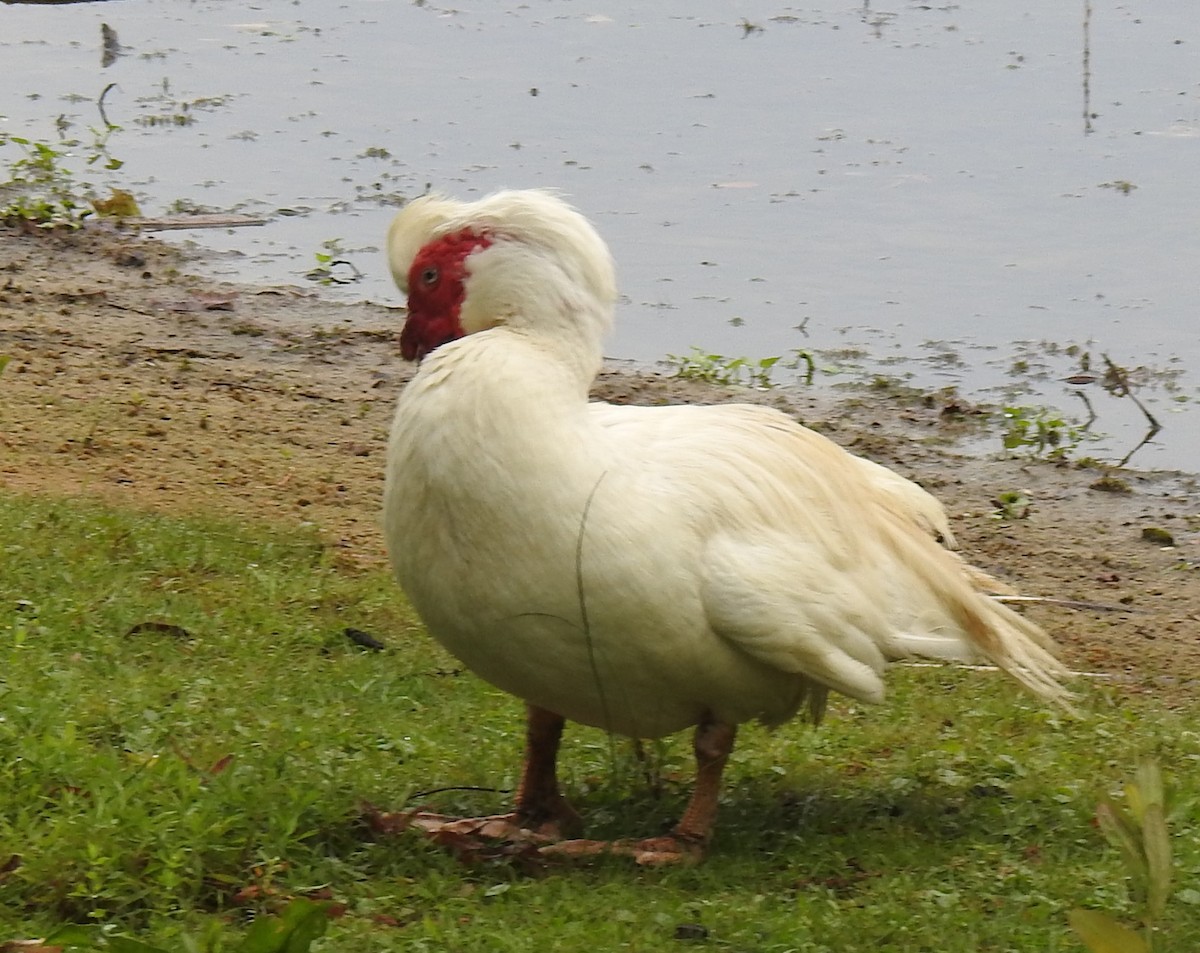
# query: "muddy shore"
132,380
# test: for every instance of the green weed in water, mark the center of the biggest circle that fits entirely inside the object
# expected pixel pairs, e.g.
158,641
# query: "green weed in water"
700,365
1040,432
43,187
331,267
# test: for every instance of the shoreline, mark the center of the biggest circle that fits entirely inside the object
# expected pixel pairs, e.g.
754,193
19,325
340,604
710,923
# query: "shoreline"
134,382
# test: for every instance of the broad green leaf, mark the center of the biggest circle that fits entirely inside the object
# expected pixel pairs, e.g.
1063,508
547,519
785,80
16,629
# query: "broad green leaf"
307,922
1122,833
1102,934
121,204
266,935
1149,781
1137,804
1156,842
293,931
1145,789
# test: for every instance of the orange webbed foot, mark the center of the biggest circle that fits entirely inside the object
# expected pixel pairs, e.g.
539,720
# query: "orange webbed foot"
668,850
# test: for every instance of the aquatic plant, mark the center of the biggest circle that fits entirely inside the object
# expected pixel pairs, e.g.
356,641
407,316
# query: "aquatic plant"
700,365
42,188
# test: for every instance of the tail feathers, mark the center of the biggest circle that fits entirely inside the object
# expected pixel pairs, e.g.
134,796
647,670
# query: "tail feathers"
995,632
984,582
1020,648
996,635
906,500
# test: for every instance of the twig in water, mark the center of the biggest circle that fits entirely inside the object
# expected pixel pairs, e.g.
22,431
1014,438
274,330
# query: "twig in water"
100,106
195,221
1116,382
1141,443
1088,404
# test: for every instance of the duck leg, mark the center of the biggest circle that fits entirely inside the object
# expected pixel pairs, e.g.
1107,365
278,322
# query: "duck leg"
540,813
712,744
540,805
688,840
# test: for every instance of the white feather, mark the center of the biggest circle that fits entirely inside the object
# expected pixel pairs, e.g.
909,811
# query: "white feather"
642,569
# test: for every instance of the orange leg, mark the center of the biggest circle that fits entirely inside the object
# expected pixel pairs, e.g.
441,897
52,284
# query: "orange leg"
539,804
713,743
540,813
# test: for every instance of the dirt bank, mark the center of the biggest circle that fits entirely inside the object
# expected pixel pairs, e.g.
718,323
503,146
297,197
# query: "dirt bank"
133,381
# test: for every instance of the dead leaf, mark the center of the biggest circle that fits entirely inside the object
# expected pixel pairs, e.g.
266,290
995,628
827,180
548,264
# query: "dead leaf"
215,300
470,840
221,764
120,204
164,628
364,639
252,893
387,920
385,823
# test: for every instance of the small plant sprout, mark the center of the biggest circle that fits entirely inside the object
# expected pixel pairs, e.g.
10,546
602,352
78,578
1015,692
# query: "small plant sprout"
699,365
1139,830
1040,431
42,189
1012,505
1119,382
1116,382
1124,186
804,357
331,267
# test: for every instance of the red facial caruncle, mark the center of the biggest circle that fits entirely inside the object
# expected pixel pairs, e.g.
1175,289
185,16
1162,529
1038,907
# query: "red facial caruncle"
436,291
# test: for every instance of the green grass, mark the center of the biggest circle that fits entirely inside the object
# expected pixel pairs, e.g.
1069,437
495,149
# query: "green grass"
174,782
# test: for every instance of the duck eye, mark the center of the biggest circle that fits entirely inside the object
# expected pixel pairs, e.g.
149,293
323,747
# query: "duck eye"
429,277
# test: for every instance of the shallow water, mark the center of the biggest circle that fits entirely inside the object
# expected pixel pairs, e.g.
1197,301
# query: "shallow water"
954,195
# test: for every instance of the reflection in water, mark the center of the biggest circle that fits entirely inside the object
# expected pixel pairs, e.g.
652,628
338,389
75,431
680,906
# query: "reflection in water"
110,46
1087,67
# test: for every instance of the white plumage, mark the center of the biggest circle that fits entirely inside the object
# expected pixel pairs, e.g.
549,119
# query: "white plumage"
642,570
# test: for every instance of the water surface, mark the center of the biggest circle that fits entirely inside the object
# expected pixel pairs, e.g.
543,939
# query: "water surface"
956,195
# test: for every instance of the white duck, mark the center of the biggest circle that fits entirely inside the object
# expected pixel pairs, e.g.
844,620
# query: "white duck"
641,570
